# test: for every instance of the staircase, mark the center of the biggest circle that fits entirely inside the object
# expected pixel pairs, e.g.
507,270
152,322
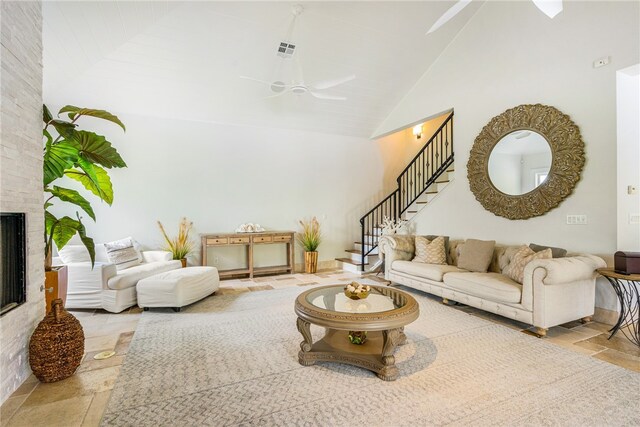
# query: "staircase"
430,171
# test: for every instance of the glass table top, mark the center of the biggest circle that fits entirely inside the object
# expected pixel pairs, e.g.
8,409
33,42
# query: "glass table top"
333,298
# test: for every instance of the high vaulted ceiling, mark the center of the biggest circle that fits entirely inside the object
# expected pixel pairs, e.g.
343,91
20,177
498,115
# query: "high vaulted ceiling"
183,59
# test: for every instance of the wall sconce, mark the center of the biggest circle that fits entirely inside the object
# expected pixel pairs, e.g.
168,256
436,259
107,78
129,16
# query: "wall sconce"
417,131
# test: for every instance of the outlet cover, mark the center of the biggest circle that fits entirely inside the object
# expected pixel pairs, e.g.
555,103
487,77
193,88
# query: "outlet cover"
601,62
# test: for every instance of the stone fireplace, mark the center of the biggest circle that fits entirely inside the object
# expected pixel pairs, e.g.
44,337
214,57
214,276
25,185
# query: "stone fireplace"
21,177
13,261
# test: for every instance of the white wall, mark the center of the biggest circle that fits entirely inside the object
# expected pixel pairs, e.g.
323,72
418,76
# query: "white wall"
21,174
628,109
220,176
511,54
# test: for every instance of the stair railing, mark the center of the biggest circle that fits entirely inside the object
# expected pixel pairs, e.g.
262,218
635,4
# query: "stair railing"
423,171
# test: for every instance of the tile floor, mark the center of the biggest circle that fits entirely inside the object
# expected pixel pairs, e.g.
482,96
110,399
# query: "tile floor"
81,399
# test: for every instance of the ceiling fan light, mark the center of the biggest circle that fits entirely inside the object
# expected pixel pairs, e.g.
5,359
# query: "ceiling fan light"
277,86
549,7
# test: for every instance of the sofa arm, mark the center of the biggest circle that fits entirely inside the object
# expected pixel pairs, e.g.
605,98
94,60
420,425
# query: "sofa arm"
155,256
397,242
83,278
567,269
395,247
560,290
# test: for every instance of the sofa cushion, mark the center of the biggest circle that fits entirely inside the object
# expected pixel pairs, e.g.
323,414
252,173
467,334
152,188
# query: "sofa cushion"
130,276
427,271
476,255
430,251
491,286
74,253
555,252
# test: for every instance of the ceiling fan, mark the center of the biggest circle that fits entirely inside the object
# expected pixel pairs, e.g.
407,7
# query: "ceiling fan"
286,50
313,89
549,7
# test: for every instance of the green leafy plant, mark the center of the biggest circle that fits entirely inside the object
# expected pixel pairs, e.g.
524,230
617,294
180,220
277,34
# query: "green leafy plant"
179,246
82,156
310,236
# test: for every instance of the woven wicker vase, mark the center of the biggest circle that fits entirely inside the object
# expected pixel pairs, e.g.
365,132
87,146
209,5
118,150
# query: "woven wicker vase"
57,345
310,262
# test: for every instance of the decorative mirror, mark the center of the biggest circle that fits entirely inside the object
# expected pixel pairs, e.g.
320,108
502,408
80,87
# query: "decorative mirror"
526,161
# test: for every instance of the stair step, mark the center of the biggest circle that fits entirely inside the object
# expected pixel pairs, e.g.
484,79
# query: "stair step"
349,261
374,250
442,181
421,203
413,212
355,251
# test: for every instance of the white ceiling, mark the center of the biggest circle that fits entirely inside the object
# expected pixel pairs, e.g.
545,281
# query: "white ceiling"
183,59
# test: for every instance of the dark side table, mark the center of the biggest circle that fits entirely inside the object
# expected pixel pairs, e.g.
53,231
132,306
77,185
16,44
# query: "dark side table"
627,287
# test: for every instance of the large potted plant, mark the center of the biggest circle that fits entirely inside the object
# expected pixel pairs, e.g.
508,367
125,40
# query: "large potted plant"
80,155
181,245
310,238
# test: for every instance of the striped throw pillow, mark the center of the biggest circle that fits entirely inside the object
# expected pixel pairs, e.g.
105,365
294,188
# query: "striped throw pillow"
123,253
430,251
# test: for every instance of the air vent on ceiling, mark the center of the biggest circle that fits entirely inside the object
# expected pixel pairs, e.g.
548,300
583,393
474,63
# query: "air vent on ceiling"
286,50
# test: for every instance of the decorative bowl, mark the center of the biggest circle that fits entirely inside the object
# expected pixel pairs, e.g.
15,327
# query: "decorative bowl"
356,295
357,337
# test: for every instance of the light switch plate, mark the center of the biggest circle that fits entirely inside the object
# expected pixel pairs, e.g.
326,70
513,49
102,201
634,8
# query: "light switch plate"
634,218
576,219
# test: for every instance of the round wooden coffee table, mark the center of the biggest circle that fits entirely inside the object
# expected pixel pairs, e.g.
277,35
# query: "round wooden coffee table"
382,315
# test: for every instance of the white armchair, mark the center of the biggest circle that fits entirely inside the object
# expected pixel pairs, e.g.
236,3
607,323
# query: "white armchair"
103,286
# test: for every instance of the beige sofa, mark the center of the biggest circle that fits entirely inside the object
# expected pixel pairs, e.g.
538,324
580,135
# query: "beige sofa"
553,292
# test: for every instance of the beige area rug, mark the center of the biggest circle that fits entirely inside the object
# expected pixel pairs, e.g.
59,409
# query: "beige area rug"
232,360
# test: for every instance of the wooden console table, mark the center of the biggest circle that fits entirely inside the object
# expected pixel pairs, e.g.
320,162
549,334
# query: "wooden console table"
249,240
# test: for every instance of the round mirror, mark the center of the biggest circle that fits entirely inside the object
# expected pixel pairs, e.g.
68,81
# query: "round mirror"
519,162
532,168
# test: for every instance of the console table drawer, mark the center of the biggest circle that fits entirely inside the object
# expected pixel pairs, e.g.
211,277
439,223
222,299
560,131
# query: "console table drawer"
236,240
281,238
217,241
262,239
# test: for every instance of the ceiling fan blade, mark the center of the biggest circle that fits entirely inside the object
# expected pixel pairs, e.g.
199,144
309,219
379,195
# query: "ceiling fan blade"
549,7
255,80
326,84
326,96
453,11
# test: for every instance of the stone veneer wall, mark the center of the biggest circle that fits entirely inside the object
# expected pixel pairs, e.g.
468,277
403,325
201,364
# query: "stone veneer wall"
21,173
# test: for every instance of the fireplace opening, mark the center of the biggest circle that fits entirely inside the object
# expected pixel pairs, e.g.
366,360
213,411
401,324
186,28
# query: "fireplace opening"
13,261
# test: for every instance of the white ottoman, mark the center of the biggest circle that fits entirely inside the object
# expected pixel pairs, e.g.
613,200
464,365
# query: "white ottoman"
177,288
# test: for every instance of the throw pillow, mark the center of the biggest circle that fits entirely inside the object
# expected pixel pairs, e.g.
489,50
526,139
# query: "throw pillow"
555,252
123,253
74,253
430,252
475,255
521,258
446,246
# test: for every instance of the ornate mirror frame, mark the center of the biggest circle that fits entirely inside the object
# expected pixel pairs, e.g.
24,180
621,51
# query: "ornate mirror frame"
567,149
